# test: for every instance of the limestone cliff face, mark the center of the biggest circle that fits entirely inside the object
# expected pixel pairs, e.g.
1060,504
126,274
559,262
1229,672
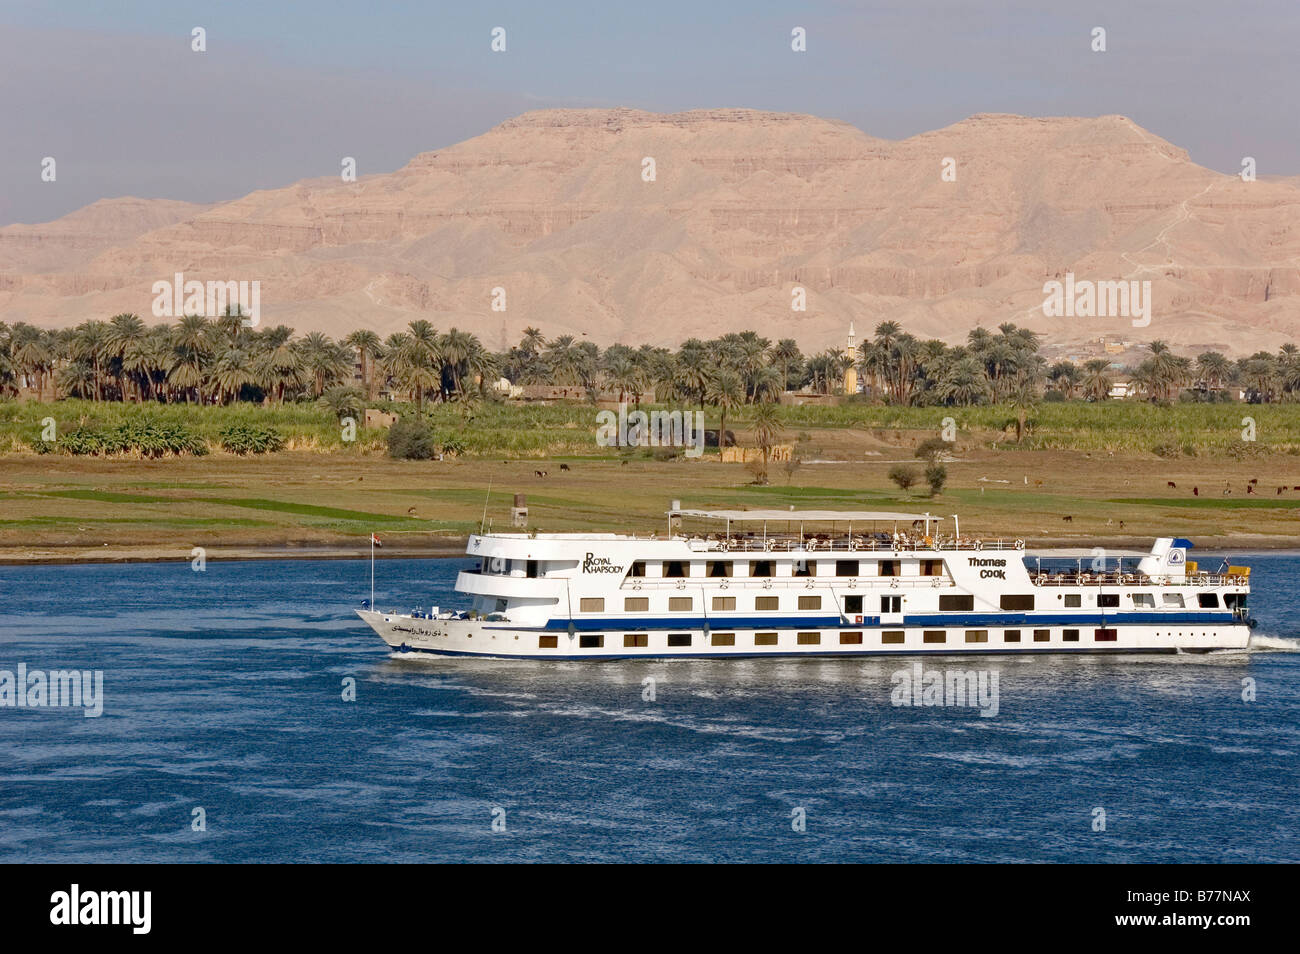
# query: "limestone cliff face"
559,208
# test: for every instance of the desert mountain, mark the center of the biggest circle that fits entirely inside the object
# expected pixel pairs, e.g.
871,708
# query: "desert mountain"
555,208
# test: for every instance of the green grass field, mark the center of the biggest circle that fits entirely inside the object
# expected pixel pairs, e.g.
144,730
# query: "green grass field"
1093,463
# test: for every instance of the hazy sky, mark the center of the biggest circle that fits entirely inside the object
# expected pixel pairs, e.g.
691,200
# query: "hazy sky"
286,89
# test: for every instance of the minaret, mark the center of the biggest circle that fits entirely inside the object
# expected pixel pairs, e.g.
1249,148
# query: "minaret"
851,372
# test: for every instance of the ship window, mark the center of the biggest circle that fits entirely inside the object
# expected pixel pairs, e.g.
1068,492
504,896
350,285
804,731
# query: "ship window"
636,604
1011,635
1208,600
636,640
853,604
810,639
1042,635
762,568
932,568
767,602
803,568
547,642
724,602
591,641
1108,599
637,569
935,636
1070,635
719,568
679,639
681,604
1144,600
1073,599
592,604
810,602
1106,635
530,570
1172,599
977,635
765,639
724,639
891,604
955,603
846,567
1016,601
850,639
893,637
888,567
674,568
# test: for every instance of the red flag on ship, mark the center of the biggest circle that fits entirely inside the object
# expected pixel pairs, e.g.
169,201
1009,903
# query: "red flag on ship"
375,540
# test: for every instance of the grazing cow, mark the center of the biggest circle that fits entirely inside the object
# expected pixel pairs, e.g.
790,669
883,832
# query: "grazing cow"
1171,484
411,510
1069,519
540,473
1279,491
1295,488
624,463
1121,524
1250,488
1227,491
564,467
1196,491
1253,480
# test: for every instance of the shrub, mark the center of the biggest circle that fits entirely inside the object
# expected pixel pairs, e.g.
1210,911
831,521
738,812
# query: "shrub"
904,476
245,438
411,438
936,475
932,449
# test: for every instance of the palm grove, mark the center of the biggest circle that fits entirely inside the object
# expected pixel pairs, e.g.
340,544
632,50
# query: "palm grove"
222,361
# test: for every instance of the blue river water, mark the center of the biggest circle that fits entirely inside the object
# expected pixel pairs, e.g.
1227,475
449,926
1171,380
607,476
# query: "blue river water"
225,737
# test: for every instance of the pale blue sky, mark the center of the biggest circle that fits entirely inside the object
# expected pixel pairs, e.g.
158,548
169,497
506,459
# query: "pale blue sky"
113,92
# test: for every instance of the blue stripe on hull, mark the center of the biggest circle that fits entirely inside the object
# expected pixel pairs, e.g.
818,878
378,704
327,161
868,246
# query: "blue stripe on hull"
823,653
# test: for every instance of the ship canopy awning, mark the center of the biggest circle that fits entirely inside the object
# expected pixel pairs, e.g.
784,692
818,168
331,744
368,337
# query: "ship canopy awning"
804,516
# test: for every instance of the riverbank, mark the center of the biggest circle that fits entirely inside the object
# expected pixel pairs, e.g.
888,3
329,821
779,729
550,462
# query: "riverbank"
304,504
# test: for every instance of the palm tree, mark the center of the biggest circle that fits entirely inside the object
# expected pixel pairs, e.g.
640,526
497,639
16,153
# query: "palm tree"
767,429
455,348
787,355
90,346
232,369
125,331
726,392
1097,379
323,360
367,346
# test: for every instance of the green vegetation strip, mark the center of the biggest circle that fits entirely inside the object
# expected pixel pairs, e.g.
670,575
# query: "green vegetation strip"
1211,503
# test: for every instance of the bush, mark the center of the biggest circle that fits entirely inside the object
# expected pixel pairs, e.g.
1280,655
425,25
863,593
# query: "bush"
144,436
933,448
936,475
245,438
904,476
411,438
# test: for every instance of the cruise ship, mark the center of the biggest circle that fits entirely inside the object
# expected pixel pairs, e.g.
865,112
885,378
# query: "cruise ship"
748,583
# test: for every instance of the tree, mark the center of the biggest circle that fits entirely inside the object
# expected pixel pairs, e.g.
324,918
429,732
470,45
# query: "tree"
936,475
726,392
368,347
903,476
767,429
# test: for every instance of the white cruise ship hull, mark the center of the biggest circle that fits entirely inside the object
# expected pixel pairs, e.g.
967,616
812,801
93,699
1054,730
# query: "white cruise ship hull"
617,596
406,634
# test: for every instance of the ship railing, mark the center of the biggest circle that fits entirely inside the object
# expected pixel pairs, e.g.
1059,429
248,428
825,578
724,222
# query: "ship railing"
866,543
1110,578
785,583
